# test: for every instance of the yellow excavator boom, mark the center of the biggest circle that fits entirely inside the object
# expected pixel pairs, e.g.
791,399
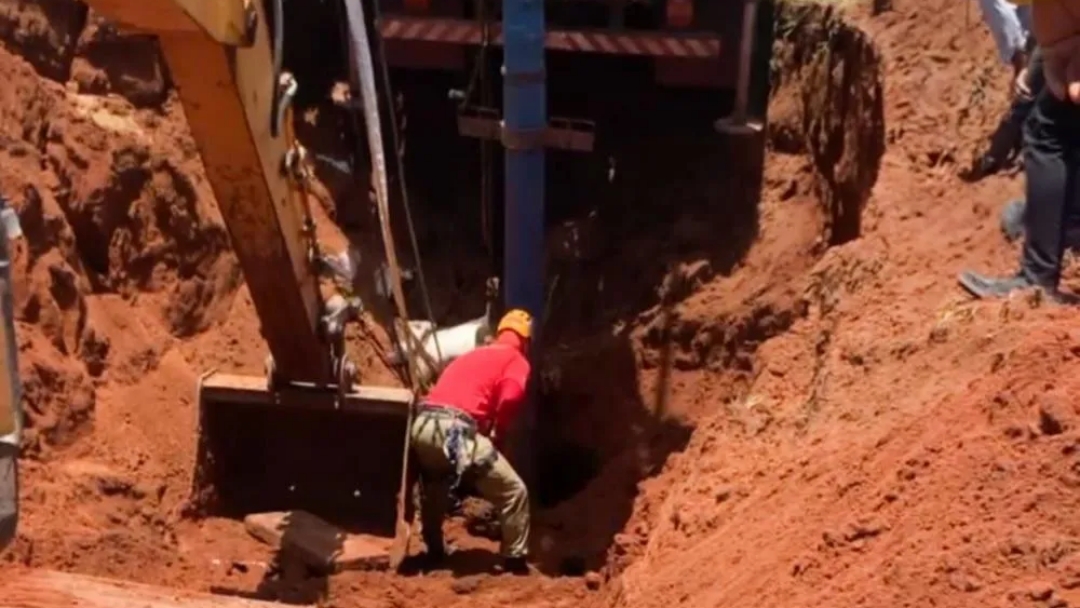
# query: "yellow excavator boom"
225,62
226,65
220,56
228,22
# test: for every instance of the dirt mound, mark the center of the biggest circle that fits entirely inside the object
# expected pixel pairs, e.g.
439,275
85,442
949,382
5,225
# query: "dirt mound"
761,381
109,215
897,445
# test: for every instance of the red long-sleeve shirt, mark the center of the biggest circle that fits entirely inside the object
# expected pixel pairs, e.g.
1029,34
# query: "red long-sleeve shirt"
487,383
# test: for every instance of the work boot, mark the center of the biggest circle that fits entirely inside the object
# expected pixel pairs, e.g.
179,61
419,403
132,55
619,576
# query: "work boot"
984,287
516,566
1012,224
433,557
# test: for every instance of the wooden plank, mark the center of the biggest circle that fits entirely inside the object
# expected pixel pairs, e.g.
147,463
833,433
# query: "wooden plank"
230,388
24,588
317,543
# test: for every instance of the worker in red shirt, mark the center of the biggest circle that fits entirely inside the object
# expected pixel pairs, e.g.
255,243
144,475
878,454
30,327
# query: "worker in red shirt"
460,430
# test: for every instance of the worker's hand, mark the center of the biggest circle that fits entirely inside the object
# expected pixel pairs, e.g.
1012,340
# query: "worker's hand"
1021,85
1019,63
1056,26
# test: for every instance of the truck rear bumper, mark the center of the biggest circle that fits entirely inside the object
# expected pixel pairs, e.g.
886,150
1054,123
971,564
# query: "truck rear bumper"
461,32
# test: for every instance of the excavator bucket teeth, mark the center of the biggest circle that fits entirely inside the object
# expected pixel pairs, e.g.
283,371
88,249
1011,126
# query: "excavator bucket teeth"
341,457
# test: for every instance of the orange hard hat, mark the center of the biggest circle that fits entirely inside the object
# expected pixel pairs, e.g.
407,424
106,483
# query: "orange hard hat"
518,321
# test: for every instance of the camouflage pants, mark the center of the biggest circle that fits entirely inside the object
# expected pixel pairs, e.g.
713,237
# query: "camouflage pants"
484,467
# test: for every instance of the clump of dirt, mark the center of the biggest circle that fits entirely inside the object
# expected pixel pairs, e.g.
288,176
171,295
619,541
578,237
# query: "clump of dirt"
868,462
44,32
110,216
130,65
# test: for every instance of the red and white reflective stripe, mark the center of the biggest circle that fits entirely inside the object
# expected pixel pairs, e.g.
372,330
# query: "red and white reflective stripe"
647,44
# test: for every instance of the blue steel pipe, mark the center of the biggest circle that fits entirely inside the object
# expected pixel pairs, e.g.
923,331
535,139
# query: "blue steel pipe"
524,122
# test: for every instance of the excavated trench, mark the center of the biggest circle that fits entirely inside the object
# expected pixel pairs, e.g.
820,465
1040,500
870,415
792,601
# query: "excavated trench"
663,198
261,459
617,204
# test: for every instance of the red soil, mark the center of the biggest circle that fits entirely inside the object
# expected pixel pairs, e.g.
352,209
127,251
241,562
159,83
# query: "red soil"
819,417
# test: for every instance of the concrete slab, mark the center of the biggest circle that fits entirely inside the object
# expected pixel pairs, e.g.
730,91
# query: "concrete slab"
318,543
48,589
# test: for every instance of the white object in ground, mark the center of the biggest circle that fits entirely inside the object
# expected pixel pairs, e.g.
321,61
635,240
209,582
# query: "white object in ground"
441,345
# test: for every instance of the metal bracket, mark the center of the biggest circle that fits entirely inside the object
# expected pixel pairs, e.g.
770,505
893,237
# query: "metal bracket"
577,135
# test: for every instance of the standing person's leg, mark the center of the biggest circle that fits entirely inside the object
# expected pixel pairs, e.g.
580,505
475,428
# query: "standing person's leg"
1049,131
1048,189
427,441
499,484
1012,215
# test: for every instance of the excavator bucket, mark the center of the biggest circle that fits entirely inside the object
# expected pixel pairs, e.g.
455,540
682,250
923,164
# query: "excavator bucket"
339,455
309,447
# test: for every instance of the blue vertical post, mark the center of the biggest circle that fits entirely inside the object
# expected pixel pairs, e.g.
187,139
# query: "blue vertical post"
524,123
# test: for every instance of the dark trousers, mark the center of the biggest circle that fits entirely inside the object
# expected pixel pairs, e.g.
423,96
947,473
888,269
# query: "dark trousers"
1052,172
1008,134
1021,106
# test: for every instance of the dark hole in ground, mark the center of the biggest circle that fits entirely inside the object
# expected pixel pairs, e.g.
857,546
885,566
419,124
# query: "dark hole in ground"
563,470
681,193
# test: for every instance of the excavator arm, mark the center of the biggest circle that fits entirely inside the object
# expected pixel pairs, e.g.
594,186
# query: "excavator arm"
220,55
260,438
